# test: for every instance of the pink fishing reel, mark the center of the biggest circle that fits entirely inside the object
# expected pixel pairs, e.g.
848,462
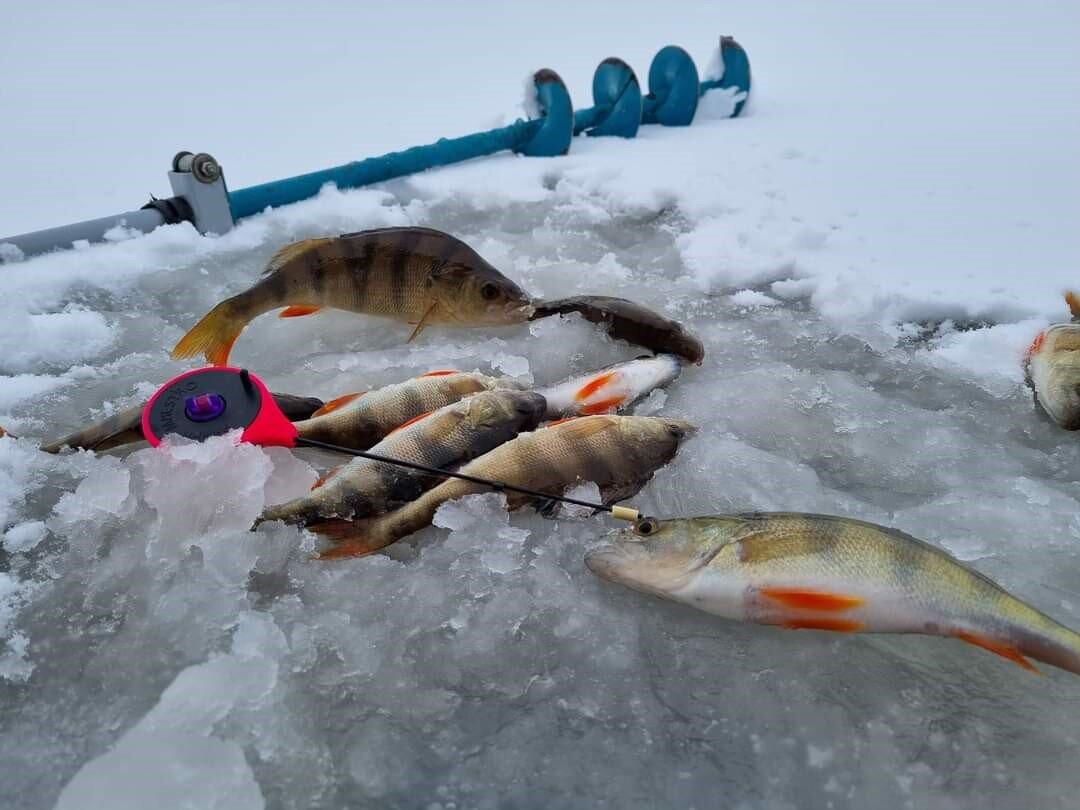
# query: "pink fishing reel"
212,401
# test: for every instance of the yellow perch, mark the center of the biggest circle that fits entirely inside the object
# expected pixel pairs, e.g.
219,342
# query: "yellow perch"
829,573
451,435
1052,368
360,420
618,453
418,275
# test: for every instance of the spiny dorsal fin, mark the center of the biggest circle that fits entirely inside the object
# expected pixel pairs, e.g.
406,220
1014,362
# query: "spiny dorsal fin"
582,427
293,251
1073,300
337,403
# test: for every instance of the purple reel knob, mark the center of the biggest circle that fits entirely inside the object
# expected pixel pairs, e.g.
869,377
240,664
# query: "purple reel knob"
204,407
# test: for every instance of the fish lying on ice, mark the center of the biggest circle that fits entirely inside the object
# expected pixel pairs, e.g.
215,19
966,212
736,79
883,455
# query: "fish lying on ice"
613,388
1052,368
628,321
125,427
360,420
829,573
451,435
618,453
418,275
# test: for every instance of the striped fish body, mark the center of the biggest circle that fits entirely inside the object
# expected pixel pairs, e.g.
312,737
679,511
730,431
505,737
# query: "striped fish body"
829,573
451,435
1052,370
417,275
618,453
359,421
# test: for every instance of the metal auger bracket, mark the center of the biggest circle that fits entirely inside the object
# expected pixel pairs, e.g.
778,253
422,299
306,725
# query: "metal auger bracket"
202,198
199,180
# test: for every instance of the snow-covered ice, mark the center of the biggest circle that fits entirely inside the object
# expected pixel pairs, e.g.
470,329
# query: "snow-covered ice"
865,255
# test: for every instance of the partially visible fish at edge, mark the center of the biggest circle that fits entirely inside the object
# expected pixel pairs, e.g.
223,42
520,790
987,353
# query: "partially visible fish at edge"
1052,368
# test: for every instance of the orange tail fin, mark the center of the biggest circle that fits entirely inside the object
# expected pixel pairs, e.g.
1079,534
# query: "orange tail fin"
1073,300
349,539
213,336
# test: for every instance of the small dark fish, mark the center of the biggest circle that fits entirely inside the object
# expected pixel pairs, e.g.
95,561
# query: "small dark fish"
125,427
628,321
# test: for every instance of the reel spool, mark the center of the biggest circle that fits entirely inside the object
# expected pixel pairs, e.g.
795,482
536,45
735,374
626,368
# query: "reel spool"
212,401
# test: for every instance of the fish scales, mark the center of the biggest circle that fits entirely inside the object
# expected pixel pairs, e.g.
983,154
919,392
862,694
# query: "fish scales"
365,420
416,275
829,573
451,435
619,453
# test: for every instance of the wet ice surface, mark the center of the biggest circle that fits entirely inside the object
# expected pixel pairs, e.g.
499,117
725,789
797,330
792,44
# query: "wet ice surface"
156,652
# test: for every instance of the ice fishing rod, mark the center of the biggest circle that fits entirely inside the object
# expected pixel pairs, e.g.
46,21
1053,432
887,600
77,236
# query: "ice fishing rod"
212,401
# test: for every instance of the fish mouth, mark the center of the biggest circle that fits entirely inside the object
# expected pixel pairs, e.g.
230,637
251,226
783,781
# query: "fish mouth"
609,561
681,429
626,561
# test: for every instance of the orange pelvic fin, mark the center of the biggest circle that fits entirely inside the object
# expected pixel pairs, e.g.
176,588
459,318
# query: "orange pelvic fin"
298,311
347,538
1004,649
412,421
326,476
441,373
812,600
335,404
1036,344
602,406
823,623
593,385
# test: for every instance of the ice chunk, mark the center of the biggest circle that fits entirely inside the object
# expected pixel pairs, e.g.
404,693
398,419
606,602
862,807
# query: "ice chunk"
752,299
470,511
513,365
170,770
15,665
24,536
587,491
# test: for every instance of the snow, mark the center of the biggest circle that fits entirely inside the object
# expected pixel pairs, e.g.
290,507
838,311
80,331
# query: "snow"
865,254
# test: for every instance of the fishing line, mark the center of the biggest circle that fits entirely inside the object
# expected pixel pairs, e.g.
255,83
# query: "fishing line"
212,401
618,512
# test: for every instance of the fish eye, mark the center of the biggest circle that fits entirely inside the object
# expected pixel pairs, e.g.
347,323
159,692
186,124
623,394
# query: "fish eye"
645,526
489,292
